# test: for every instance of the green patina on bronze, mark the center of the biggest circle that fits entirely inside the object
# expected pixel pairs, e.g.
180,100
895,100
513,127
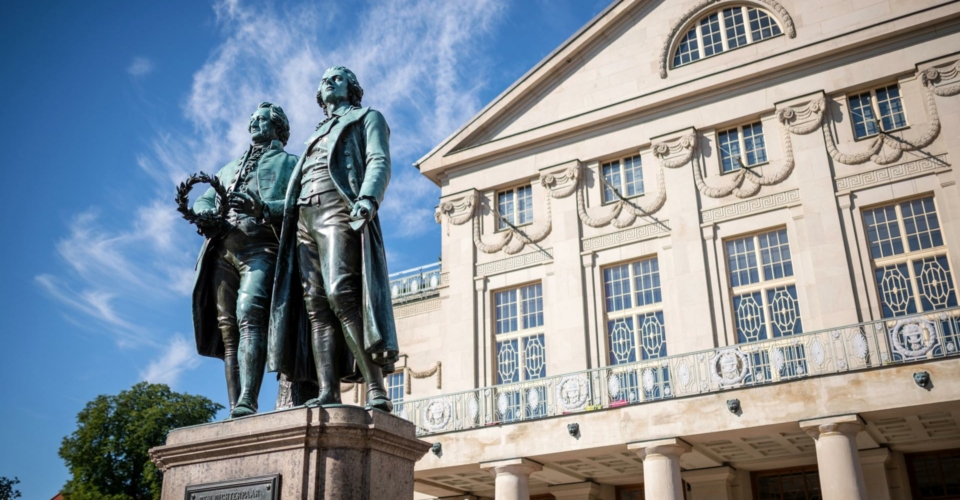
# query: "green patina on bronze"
332,316
235,270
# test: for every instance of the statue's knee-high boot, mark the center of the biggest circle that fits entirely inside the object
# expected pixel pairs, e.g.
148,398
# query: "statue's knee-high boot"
232,371
372,373
253,352
326,357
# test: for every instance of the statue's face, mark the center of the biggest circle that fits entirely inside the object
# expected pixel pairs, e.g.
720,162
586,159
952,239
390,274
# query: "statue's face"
333,86
261,128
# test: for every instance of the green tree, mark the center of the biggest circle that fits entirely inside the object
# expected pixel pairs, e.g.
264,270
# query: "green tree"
108,453
6,488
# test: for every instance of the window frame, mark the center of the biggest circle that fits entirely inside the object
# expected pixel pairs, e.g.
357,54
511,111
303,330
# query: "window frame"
908,256
743,147
757,474
762,285
499,224
403,384
911,472
695,25
603,185
635,312
519,334
875,107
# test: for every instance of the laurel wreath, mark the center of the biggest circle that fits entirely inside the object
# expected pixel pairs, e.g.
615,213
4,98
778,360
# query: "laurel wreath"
204,218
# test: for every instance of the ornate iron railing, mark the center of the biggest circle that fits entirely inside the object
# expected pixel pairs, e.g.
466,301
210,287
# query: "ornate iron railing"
851,348
415,284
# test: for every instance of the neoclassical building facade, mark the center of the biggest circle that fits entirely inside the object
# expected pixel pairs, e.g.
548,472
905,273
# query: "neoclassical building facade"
705,250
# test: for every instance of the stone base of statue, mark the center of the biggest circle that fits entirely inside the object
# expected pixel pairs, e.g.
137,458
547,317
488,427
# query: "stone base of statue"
340,452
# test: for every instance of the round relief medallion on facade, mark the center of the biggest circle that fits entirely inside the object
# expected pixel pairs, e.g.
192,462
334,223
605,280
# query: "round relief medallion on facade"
502,404
648,380
818,353
860,346
533,399
473,407
778,360
729,366
684,373
572,392
436,415
913,337
613,385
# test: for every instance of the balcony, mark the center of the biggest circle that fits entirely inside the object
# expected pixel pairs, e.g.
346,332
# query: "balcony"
415,284
860,347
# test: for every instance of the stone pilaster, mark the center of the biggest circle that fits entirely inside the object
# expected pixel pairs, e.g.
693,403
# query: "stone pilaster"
710,484
841,477
512,477
576,491
661,467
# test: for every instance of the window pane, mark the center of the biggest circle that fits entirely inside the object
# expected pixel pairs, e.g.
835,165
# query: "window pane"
753,143
736,33
935,283
531,298
742,262
508,362
634,176
775,254
729,150
524,205
505,207
616,286
891,108
710,31
622,344
864,122
534,357
883,232
784,311
921,224
687,50
896,292
395,387
647,282
653,335
611,174
749,317
762,25
506,310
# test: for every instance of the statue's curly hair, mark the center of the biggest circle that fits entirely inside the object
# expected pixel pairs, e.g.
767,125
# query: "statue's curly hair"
279,119
354,91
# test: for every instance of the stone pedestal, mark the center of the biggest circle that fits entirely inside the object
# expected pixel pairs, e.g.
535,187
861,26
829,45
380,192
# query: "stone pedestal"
334,453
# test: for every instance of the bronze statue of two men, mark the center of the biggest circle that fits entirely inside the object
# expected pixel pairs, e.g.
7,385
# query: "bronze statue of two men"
294,277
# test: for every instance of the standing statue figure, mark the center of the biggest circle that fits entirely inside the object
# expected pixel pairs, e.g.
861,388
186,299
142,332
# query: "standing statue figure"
235,271
332,266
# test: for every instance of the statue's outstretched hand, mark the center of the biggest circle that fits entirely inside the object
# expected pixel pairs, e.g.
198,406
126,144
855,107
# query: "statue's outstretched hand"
364,209
246,203
209,223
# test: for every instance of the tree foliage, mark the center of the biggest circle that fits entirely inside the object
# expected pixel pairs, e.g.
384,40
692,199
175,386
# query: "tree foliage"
108,453
6,488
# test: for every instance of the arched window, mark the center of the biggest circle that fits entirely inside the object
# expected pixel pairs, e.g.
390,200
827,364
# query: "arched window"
725,29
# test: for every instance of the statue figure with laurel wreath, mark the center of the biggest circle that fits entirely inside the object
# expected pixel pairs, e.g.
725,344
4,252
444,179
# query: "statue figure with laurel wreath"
240,216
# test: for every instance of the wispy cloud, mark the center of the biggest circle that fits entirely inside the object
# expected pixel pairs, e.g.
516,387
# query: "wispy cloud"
140,66
178,356
418,63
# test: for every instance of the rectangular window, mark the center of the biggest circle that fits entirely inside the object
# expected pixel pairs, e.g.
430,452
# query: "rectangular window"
515,207
710,34
744,145
936,475
521,351
788,484
866,107
635,329
736,33
623,177
765,301
395,387
761,25
909,255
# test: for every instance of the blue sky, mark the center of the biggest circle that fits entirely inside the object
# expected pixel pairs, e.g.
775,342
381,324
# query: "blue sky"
110,103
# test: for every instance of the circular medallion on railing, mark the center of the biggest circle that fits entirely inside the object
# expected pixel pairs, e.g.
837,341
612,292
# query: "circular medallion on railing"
860,346
818,353
648,380
533,399
436,415
572,392
729,366
473,406
778,360
919,335
684,373
613,386
502,404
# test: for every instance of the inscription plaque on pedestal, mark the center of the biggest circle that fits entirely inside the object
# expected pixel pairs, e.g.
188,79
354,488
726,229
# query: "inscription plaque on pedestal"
256,488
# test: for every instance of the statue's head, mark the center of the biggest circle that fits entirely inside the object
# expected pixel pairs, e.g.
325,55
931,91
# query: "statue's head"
337,85
269,123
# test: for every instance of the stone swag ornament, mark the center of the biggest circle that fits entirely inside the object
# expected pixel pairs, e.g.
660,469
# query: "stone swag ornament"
240,217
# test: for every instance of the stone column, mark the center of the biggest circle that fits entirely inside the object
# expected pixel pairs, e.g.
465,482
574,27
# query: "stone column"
661,467
576,491
513,477
709,484
874,465
841,477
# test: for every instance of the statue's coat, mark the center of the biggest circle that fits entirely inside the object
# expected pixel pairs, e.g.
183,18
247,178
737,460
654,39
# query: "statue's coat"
359,160
273,175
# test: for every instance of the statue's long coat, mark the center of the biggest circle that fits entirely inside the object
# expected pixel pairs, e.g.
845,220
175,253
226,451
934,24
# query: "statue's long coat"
273,176
359,160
